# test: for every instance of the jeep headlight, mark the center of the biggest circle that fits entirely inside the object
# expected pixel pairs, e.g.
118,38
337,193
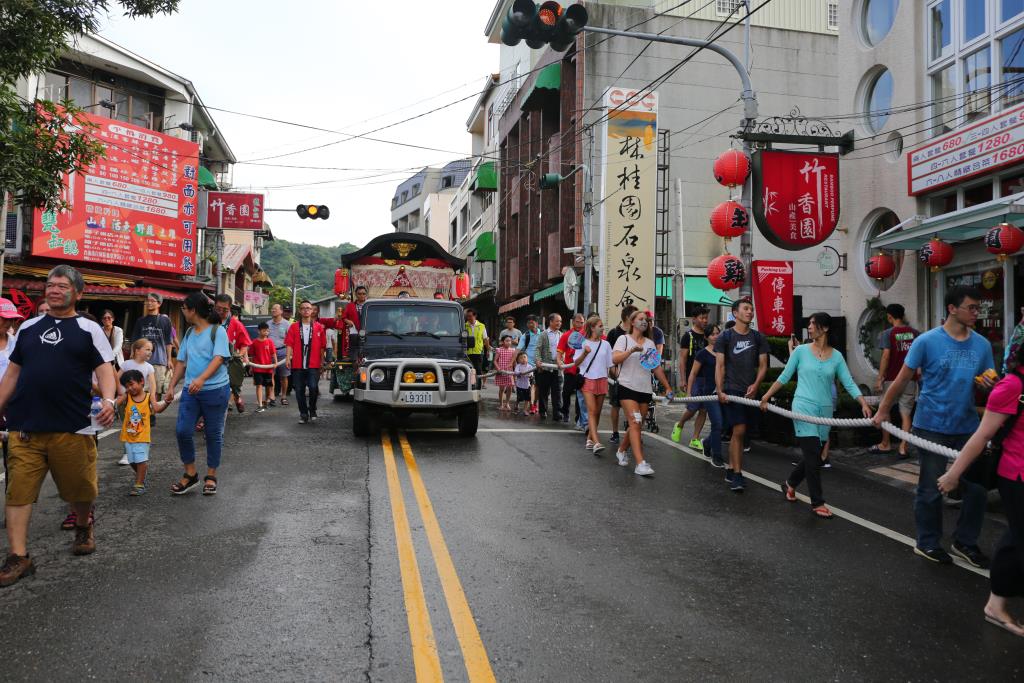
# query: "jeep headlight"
458,376
377,376
429,378
409,378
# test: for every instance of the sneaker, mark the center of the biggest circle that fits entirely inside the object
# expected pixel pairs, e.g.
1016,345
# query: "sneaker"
137,490
579,428
590,445
85,541
312,417
614,438
261,409
716,461
14,568
598,447
697,445
123,460
737,485
746,449
303,419
623,458
271,403
677,433
937,555
728,475
826,464
972,554
643,469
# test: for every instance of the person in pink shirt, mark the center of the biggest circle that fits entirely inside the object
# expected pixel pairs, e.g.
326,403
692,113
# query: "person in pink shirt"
1002,417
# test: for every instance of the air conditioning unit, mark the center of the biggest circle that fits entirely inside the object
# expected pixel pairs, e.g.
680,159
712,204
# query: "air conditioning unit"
198,138
259,242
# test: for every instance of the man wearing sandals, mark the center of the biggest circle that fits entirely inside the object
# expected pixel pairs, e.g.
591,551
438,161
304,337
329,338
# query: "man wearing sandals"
894,342
51,431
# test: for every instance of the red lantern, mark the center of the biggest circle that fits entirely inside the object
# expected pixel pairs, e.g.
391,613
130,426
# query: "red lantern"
462,285
880,267
935,254
729,219
1003,240
341,281
732,168
726,272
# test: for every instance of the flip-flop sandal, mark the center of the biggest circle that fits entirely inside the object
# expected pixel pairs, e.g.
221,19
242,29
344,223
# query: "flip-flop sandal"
789,492
822,512
1005,625
878,451
209,485
177,488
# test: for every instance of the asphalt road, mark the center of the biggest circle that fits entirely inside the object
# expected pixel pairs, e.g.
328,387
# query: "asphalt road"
516,554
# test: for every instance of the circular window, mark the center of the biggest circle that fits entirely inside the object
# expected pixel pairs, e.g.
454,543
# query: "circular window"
876,223
877,17
878,100
894,147
869,325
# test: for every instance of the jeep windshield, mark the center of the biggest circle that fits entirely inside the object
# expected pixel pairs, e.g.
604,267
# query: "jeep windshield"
413,320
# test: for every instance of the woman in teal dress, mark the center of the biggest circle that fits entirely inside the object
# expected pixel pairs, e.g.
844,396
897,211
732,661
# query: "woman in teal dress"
817,366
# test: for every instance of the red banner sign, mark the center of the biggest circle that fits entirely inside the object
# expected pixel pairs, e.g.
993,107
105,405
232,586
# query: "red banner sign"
234,211
136,207
773,297
796,197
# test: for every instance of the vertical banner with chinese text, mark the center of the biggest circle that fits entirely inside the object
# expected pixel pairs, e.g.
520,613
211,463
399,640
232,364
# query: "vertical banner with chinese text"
628,200
773,297
136,206
795,197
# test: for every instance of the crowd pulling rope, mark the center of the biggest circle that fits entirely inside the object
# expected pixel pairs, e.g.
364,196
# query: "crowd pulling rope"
851,423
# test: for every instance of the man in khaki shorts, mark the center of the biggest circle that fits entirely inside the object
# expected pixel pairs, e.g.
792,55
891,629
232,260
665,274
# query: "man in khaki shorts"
895,343
47,393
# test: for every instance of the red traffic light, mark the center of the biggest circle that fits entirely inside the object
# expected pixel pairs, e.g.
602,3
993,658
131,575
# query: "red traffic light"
546,24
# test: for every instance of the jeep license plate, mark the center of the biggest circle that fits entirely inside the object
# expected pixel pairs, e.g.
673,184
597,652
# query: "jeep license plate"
417,397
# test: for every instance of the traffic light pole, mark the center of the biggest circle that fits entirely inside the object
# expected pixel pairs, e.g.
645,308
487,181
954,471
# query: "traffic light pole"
748,96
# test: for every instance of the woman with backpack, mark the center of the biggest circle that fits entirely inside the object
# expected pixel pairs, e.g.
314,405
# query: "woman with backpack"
817,365
594,358
202,361
1001,425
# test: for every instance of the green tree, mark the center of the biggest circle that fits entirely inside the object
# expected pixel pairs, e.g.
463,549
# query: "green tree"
40,142
280,295
313,265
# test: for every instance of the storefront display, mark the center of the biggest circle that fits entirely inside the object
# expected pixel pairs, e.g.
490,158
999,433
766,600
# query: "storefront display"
988,281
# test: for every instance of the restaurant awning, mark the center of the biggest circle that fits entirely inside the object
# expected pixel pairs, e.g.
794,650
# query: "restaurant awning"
513,305
485,249
698,290
545,88
98,292
553,290
485,178
958,226
206,179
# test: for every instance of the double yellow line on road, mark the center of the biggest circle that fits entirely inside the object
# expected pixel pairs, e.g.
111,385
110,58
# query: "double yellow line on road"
421,633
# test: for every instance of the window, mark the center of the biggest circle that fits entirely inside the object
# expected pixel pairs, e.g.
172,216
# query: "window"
943,204
1010,9
940,29
727,7
1011,185
882,220
979,194
833,15
446,182
879,100
415,190
1012,49
974,19
977,70
405,196
944,96
877,19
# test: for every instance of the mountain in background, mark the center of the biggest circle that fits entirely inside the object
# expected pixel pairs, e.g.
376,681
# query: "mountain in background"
314,265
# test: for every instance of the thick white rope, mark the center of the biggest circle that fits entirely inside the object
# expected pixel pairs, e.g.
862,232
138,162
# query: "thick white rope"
266,367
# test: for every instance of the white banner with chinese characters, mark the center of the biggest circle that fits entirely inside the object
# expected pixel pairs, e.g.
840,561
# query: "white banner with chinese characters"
628,202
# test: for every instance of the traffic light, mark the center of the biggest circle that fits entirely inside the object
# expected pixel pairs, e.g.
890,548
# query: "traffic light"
312,211
546,24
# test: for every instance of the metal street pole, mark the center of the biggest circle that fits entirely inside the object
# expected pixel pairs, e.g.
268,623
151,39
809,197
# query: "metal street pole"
588,212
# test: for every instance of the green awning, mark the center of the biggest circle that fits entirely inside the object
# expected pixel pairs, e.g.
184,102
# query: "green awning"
544,91
206,179
958,226
486,178
697,290
553,290
485,249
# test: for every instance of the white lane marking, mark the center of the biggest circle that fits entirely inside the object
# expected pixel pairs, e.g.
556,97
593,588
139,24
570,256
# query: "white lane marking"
849,516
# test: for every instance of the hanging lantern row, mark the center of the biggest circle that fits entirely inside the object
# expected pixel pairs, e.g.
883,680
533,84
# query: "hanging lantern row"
880,267
935,254
1003,240
726,272
732,168
729,219
462,285
341,281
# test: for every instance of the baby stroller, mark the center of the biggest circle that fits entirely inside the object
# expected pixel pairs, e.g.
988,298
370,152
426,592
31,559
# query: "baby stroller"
651,422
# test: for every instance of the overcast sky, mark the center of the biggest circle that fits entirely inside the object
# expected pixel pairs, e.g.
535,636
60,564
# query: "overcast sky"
328,64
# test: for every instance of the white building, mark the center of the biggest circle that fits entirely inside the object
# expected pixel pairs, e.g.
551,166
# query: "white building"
408,205
937,84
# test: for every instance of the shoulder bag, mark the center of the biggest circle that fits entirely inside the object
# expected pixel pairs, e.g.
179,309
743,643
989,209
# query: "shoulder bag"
984,470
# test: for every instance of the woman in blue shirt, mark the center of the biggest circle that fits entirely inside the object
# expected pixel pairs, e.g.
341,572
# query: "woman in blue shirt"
818,366
202,360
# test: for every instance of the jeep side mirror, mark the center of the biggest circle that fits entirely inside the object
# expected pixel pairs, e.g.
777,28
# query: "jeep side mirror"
465,339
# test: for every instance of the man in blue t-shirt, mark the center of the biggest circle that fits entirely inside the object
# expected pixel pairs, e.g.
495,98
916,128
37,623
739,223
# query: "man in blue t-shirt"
949,358
47,394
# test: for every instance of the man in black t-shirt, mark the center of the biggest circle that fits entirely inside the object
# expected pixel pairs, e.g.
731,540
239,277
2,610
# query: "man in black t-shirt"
613,398
690,343
47,393
157,329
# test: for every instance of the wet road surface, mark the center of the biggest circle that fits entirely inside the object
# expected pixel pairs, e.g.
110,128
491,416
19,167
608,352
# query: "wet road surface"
516,555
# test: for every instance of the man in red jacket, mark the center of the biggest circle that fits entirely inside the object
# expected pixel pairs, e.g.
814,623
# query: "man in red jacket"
307,345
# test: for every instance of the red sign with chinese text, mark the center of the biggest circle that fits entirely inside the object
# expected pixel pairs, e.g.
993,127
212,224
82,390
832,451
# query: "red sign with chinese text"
796,197
773,297
234,211
136,207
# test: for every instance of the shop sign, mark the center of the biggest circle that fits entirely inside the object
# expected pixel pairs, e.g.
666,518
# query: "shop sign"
773,296
628,202
234,211
796,197
135,207
257,298
974,150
